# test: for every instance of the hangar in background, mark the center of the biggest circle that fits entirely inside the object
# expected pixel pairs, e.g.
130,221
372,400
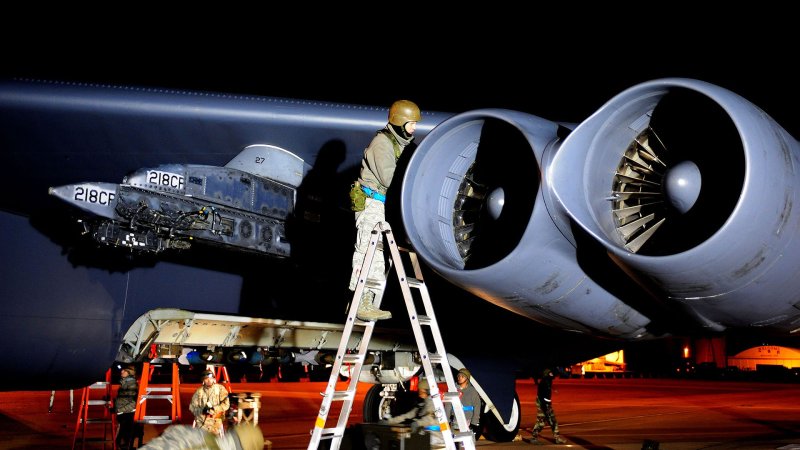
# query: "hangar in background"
765,355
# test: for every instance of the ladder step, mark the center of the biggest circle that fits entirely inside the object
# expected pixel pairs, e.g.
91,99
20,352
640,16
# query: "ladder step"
450,396
364,323
435,358
373,283
96,402
95,420
424,320
330,433
343,395
352,358
156,420
415,283
462,436
157,396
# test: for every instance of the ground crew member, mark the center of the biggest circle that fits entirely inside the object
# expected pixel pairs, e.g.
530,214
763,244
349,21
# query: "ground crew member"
544,408
368,196
125,406
470,401
209,404
422,416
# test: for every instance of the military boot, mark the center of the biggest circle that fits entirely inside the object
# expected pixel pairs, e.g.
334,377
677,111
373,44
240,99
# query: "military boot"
368,312
560,440
534,437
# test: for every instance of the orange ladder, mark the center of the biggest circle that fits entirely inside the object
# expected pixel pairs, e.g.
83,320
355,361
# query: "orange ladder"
171,393
100,414
221,374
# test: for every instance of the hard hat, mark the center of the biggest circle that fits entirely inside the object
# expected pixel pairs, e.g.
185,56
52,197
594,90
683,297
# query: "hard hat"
548,373
466,373
403,111
423,384
208,373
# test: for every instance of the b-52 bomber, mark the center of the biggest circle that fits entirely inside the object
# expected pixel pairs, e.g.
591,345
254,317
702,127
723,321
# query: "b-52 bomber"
244,204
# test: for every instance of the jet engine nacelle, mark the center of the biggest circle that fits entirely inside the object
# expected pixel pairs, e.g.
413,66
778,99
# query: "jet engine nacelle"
692,189
474,208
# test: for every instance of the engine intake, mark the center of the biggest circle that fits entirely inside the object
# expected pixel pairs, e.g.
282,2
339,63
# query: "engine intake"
475,208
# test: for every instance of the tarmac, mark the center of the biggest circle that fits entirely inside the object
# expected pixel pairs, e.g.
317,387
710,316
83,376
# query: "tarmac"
652,414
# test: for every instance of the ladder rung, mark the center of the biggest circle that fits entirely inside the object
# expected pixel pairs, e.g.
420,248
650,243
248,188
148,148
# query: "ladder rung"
99,385
435,358
96,402
373,283
450,396
352,358
330,433
364,323
159,389
156,419
160,396
95,420
415,283
462,436
424,320
342,395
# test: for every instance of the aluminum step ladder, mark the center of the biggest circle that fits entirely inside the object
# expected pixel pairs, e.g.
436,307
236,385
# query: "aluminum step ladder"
382,233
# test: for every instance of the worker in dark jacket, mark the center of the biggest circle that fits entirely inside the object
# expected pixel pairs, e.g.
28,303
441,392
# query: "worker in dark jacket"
544,408
422,417
125,406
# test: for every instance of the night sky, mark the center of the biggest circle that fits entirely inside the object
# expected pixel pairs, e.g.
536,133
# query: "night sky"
545,62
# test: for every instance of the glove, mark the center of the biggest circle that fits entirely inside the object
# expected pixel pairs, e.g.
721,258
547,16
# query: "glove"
208,410
415,426
475,428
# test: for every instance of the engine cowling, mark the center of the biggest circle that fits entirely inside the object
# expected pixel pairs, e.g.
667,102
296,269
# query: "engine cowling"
691,188
475,207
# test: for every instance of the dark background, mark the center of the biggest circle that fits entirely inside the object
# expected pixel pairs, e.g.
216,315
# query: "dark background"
558,63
